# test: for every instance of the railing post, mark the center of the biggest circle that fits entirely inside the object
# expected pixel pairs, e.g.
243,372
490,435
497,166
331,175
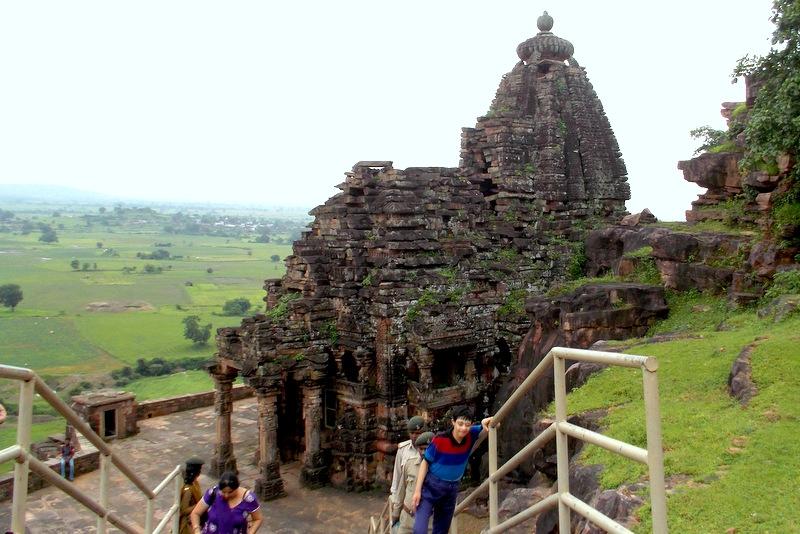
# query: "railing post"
176,521
102,522
148,518
655,452
562,444
24,421
493,504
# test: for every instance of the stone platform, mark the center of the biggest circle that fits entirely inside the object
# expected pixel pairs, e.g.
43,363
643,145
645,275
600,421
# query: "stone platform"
164,442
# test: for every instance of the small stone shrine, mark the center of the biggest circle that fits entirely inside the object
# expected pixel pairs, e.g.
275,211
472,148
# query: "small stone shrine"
406,295
111,414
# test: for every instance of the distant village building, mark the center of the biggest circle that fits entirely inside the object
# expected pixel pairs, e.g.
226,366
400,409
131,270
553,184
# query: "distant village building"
406,295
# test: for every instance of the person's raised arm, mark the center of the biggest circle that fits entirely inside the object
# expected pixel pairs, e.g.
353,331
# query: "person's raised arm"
423,471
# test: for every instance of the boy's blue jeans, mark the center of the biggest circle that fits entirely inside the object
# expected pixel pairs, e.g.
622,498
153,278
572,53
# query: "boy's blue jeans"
439,499
71,468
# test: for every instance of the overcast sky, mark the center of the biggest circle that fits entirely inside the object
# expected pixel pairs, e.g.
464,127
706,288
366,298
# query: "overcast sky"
260,102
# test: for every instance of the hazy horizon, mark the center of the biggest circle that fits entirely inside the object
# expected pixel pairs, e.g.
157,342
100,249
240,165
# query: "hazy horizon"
202,102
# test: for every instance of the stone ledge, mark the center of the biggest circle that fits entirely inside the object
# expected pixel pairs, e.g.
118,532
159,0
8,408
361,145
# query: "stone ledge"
85,462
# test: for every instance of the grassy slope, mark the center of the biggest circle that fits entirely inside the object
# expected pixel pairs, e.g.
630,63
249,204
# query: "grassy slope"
742,463
161,387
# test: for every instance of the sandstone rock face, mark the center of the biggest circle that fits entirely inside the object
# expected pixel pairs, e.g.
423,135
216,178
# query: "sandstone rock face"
635,219
519,500
740,380
405,296
704,261
577,319
731,196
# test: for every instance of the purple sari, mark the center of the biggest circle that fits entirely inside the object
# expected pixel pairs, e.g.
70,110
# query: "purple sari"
222,519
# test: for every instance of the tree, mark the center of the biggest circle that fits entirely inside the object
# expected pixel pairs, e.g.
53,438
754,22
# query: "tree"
709,136
48,235
275,258
194,332
239,306
75,264
10,295
773,129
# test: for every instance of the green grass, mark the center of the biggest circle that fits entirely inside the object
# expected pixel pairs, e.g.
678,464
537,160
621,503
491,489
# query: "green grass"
51,345
55,297
161,387
133,335
741,463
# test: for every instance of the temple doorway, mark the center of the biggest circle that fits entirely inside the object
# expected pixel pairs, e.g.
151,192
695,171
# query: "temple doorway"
291,428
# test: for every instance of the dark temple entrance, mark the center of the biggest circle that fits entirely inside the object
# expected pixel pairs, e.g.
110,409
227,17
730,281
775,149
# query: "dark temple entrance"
291,428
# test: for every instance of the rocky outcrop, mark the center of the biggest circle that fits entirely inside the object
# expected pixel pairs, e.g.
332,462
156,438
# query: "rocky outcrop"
740,380
704,261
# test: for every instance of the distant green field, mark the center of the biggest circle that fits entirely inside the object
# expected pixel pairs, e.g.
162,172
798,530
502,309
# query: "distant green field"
109,312
51,345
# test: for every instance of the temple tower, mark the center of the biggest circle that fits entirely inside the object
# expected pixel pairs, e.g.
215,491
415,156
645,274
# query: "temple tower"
406,294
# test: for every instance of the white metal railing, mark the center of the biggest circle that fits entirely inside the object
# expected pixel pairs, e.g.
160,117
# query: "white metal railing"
31,383
383,523
561,430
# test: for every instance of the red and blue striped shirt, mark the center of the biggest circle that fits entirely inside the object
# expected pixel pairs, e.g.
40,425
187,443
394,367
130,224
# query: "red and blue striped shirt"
447,459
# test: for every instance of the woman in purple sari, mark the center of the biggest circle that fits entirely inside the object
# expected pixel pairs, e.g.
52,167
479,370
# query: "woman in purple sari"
229,507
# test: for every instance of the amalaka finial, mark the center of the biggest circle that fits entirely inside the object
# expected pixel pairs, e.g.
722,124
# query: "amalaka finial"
545,22
545,45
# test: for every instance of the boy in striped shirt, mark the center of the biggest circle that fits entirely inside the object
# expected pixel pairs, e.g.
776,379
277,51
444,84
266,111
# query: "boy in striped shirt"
441,470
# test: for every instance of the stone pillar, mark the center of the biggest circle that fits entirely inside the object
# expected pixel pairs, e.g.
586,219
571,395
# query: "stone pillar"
425,364
269,485
314,473
223,459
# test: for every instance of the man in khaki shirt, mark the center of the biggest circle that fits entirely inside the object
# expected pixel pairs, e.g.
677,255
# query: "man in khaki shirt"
405,450
402,504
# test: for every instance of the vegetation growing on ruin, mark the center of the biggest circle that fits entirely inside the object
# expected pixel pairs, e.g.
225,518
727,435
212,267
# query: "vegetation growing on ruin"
281,308
577,262
513,307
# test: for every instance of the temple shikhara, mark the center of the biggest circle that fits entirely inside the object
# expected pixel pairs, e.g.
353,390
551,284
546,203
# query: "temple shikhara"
406,294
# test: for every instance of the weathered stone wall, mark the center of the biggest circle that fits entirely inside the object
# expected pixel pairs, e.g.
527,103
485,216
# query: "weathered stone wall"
85,462
159,407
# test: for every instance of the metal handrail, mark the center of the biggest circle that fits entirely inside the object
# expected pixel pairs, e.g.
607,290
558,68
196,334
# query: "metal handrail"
560,429
382,525
30,382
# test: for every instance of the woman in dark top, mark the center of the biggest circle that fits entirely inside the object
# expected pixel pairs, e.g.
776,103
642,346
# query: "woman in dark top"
190,493
228,507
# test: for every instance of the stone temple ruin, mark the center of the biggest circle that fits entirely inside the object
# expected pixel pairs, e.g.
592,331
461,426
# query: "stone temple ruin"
406,295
